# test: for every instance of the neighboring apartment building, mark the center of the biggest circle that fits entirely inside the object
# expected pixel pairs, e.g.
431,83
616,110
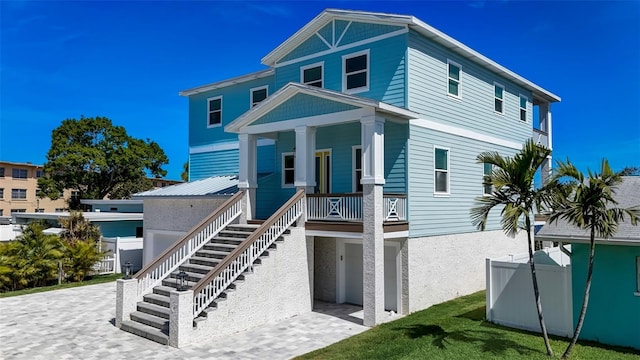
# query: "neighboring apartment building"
18,190
378,118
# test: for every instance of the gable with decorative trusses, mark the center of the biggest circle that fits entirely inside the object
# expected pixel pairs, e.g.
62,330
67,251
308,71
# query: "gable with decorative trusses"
302,106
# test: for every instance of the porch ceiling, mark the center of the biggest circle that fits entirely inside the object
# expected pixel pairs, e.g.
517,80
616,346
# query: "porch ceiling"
348,107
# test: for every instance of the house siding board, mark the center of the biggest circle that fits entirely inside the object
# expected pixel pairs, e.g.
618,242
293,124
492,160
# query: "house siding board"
119,228
204,165
270,194
613,315
302,105
327,32
395,155
310,46
434,215
387,73
427,93
340,139
340,26
266,159
235,101
359,31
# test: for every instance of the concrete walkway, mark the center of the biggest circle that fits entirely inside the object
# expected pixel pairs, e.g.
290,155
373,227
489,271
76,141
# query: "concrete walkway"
77,323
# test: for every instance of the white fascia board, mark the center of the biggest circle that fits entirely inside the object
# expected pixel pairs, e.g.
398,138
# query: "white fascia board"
224,83
232,145
316,121
453,130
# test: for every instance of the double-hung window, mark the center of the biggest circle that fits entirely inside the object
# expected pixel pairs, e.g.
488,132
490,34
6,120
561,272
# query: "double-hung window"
357,168
498,98
355,74
19,173
487,171
312,74
441,171
1,193
288,169
258,94
1,172
454,71
18,194
215,111
523,107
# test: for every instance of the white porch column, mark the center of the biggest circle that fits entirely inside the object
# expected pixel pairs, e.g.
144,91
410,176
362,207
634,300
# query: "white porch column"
372,222
305,169
545,125
248,174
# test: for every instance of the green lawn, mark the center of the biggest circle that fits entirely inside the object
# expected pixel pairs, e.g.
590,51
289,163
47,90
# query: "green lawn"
98,279
457,330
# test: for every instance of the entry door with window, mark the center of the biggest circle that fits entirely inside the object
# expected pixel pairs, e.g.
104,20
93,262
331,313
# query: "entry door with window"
323,171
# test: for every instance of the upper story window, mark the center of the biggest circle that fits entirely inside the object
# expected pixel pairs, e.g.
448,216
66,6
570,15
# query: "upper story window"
1,193
288,169
487,171
355,74
1,172
38,173
13,211
312,74
498,98
18,194
258,94
357,168
441,171
454,71
19,173
215,111
523,107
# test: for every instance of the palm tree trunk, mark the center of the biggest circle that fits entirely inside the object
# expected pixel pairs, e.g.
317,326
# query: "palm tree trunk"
536,291
585,298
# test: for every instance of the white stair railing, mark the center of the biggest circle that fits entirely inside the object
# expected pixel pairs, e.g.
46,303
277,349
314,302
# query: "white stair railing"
169,261
242,257
395,207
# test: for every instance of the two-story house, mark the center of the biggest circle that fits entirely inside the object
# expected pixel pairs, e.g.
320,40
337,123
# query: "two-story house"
366,126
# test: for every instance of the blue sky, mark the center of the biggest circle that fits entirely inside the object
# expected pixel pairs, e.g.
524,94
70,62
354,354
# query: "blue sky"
128,60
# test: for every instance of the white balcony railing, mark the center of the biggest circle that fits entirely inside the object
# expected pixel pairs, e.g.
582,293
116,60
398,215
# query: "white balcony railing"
348,207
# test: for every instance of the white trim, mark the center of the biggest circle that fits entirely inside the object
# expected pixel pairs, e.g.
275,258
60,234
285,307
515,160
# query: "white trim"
355,235
316,120
343,31
396,234
282,170
459,80
342,48
311,66
367,71
225,146
252,90
224,83
354,184
495,85
323,40
447,170
526,108
209,100
428,124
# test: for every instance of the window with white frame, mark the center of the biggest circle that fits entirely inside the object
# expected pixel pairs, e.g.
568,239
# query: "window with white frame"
258,94
441,171
312,74
357,168
288,169
487,171
454,71
19,173
498,98
523,107
18,194
355,72
214,106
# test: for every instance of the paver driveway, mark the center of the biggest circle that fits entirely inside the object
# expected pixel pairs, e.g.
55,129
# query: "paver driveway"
77,323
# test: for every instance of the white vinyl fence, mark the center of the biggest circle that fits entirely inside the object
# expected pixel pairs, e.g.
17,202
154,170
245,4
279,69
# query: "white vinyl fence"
510,299
120,251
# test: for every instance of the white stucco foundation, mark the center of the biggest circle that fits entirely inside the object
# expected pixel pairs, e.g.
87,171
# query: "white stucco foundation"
279,288
440,268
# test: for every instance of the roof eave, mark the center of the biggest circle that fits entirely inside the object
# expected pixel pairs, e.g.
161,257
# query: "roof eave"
224,83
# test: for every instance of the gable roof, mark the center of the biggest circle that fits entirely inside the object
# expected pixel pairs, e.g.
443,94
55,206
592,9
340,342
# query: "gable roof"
224,83
292,89
411,22
215,185
627,195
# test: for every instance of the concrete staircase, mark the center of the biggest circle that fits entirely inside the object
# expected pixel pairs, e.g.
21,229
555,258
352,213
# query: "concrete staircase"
151,320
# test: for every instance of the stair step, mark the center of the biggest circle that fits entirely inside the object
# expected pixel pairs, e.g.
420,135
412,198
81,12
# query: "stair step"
226,240
191,276
220,246
248,228
212,253
150,320
163,290
234,233
153,309
195,268
157,299
172,282
204,261
146,331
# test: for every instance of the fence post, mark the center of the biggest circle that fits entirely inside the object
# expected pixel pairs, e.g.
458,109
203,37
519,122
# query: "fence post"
488,300
116,256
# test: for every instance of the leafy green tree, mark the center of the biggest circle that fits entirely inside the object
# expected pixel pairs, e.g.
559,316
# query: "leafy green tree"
77,228
81,240
98,159
589,204
512,183
185,171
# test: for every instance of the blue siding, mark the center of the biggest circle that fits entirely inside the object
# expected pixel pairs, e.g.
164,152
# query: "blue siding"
235,101
427,93
358,31
340,139
270,195
327,32
266,159
310,46
226,162
435,215
387,76
302,105
395,155
119,228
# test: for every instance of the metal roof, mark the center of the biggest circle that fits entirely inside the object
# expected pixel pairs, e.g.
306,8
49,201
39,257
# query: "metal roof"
216,185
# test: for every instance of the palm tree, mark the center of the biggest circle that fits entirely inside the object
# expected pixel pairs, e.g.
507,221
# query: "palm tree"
512,183
589,204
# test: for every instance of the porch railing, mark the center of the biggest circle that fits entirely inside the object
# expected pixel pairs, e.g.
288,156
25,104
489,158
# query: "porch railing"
169,261
348,207
243,256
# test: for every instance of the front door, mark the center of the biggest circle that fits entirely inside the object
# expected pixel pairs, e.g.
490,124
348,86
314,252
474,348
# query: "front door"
323,171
